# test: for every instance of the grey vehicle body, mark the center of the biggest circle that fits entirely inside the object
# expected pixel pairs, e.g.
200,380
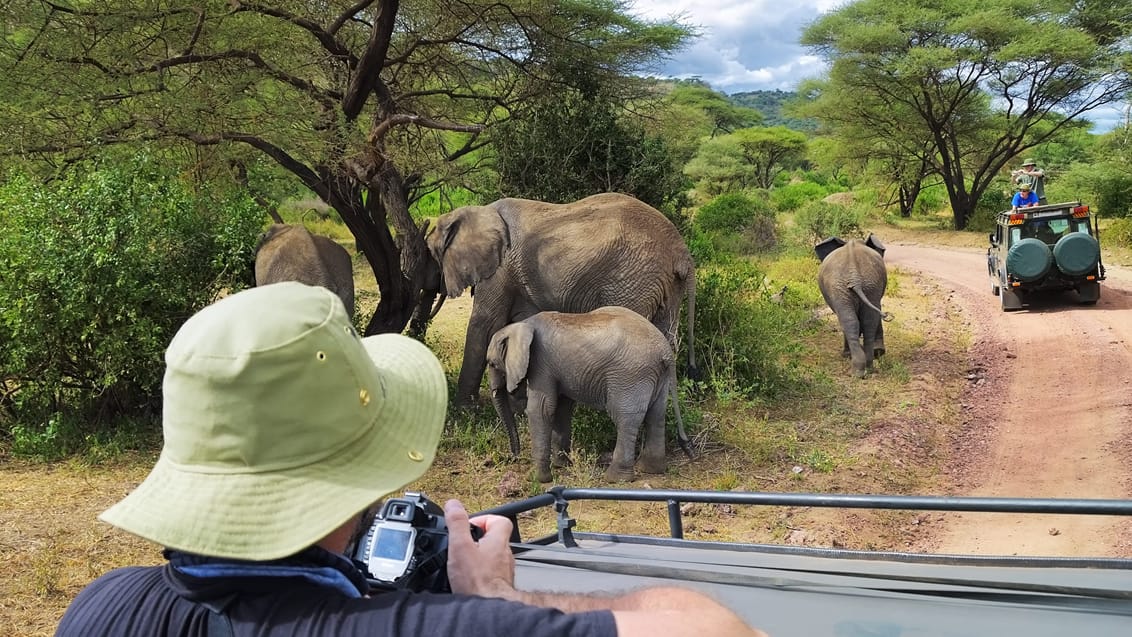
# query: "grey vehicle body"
1045,249
796,591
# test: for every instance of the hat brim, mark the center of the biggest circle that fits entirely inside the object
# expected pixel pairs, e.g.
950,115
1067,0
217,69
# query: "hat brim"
263,516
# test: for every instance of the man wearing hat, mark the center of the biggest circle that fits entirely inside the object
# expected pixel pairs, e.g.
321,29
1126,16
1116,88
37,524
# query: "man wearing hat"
281,428
1036,177
1024,198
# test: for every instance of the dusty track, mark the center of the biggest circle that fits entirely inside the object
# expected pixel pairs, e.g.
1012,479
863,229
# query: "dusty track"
1048,412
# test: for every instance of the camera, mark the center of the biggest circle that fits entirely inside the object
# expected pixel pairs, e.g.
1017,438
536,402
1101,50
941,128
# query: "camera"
406,547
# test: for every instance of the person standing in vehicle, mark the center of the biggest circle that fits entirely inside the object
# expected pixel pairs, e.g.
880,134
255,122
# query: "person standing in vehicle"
1030,173
282,428
1024,198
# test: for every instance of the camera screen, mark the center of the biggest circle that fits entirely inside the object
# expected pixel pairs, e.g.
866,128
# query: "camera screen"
391,544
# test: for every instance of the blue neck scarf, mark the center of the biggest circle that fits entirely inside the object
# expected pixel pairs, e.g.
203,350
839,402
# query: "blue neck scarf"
314,564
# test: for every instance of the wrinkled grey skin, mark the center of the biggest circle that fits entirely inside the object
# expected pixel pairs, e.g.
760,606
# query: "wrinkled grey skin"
611,358
852,278
291,253
524,257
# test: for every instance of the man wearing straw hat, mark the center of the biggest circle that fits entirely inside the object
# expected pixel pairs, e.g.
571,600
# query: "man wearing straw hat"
282,427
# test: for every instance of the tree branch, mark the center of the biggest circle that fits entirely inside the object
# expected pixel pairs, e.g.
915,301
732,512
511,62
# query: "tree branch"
359,6
369,66
325,38
382,129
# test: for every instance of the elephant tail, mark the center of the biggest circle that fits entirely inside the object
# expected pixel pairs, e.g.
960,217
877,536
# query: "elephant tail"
885,316
681,437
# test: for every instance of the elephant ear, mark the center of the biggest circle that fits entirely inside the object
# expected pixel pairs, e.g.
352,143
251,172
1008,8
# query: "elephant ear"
469,243
829,245
515,342
875,243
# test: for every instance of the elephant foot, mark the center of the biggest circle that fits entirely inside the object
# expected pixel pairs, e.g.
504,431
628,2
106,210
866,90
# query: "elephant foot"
561,461
543,475
860,373
653,465
615,474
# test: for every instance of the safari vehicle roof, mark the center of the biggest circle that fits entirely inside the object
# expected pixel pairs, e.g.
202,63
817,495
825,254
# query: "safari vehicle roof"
797,590
1041,212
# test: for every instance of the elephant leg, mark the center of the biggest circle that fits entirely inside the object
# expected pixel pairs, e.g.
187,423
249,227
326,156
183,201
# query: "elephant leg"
851,330
628,424
878,344
540,417
480,328
870,323
560,434
652,452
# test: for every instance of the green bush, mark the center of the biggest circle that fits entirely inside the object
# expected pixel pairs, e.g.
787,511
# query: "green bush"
746,345
1118,233
97,271
793,196
820,220
739,223
733,211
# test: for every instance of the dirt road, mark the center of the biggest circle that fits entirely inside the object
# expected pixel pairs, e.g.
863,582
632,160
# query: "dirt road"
1048,412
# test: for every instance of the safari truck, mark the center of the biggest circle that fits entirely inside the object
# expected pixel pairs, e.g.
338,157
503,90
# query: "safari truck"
1045,249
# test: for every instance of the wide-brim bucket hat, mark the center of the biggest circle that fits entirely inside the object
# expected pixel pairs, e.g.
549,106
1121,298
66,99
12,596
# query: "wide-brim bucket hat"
1029,162
281,424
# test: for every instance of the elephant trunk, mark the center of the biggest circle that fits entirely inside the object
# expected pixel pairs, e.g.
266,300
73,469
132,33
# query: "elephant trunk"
502,402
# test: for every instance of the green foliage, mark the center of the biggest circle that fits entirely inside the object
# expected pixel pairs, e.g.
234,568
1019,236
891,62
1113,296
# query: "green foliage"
821,219
437,202
746,158
792,196
1106,185
746,344
1119,232
992,202
732,212
98,271
775,106
576,145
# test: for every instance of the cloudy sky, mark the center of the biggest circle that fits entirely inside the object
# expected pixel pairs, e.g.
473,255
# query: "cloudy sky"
752,45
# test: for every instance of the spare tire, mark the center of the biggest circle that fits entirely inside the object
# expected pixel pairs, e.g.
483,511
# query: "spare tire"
1077,253
1029,260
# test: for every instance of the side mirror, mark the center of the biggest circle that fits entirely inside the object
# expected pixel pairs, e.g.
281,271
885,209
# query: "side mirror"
992,239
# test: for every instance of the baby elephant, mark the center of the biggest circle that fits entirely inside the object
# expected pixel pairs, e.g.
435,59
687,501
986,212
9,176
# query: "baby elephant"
611,358
852,278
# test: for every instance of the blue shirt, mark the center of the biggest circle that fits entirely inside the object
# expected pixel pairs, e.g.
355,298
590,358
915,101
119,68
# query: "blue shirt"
1024,200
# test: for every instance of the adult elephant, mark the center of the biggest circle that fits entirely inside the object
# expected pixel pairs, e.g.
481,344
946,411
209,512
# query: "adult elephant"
852,279
291,253
524,257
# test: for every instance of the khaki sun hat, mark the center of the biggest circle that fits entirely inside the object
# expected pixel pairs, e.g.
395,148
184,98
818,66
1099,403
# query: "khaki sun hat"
1029,162
1024,185
280,424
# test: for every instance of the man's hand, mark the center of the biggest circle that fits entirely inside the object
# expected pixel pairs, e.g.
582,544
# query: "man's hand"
487,567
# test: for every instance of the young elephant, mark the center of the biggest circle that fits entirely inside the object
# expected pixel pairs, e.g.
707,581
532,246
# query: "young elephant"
852,279
291,253
610,358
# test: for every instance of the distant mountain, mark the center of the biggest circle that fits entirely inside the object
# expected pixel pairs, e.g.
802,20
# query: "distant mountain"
769,103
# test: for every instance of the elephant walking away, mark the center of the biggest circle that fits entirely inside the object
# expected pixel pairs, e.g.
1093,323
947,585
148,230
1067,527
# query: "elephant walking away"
611,358
524,257
852,279
291,253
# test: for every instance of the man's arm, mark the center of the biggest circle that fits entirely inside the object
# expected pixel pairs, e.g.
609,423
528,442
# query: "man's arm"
487,568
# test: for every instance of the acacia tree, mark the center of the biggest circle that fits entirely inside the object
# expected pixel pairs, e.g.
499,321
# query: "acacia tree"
746,158
367,102
980,80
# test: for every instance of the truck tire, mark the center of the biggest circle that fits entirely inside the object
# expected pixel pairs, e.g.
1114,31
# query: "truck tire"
1076,254
1029,259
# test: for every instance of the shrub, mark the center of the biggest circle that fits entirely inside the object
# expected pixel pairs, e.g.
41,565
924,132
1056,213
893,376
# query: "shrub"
98,271
733,211
793,196
739,223
746,345
820,219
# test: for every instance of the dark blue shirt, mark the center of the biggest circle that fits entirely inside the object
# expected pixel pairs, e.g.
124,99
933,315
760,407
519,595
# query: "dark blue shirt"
159,601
